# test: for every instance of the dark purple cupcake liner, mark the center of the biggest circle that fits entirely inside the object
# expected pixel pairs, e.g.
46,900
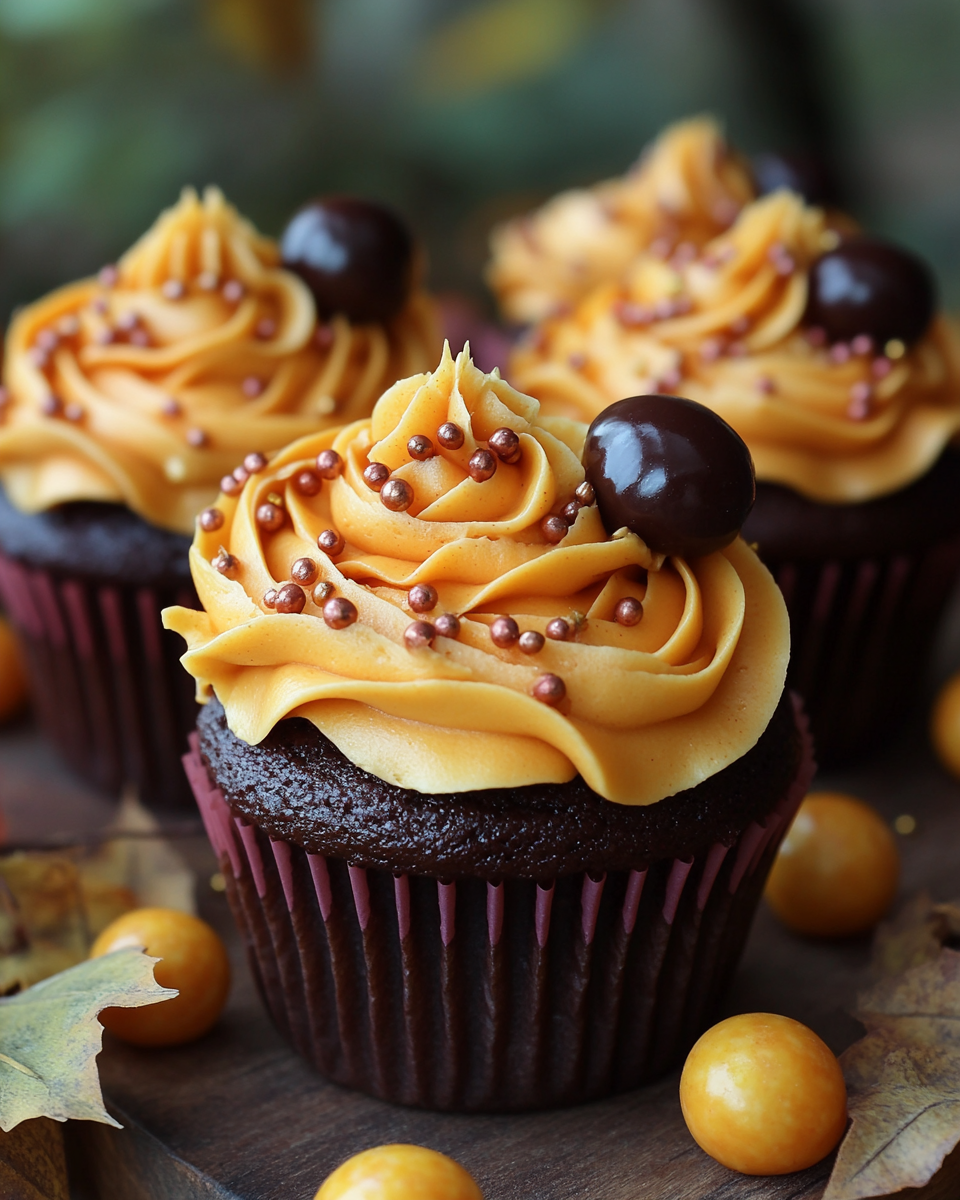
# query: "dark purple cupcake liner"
862,632
468,995
105,678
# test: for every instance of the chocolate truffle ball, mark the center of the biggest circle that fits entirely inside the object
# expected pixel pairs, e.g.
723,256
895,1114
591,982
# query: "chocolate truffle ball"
671,471
356,257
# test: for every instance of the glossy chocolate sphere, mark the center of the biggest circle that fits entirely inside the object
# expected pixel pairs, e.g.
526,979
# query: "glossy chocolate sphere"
670,470
355,256
867,286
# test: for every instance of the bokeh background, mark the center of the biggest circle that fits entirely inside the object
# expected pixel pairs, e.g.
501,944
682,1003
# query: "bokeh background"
458,112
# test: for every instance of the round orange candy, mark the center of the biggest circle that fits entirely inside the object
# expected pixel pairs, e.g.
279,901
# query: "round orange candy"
838,868
763,1095
193,960
399,1172
13,680
945,725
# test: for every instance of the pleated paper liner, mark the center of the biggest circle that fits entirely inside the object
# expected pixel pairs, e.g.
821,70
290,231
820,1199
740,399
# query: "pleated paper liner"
862,632
105,678
463,995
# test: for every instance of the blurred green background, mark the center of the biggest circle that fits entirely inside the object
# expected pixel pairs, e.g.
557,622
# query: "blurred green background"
456,111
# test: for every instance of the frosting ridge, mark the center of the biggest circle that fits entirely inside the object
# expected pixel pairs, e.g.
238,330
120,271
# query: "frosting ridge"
685,189
147,385
725,329
650,709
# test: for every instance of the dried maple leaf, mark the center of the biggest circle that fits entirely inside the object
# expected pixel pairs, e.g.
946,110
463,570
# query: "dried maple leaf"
50,1037
916,935
903,1081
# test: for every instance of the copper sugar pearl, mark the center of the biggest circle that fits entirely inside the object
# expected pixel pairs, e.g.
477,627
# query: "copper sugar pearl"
420,448
270,598
307,482
255,462
231,486
269,516
330,542
450,436
375,475
672,472
322,592
448,626
419,635
629,611
505,444
330,464
339,612
396,495
304,571
504,632
224,562
211,519
482,466
422,598
549,689
290,598
558,630
554,528
531,642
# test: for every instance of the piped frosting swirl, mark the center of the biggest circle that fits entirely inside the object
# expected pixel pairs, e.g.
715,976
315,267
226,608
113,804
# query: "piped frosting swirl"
145,386
838,424
685,189
651,707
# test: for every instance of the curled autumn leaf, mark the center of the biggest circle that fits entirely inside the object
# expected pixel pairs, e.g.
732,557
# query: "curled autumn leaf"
916,935
50,1037
903,1083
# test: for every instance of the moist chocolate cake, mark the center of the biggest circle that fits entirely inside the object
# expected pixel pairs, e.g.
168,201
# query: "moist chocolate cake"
85,583
296,785
106,542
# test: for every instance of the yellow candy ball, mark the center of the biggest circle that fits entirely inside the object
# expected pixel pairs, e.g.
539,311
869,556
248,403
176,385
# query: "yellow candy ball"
193,960
945,725
838,869
762,1094
399,1172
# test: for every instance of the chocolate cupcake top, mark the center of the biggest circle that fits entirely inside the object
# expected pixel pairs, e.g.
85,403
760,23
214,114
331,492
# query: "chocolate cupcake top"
822,349
144,386
685,189
435,589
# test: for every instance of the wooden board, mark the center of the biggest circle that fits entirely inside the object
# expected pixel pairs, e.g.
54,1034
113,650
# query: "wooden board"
238,1115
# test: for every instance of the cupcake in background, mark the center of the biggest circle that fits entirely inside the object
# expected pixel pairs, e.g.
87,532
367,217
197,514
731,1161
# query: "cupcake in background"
686,188
825,351
493,780
130,400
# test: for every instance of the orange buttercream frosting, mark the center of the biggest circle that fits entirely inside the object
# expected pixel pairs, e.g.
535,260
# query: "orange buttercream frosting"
685,189
650,709
839,425
145,386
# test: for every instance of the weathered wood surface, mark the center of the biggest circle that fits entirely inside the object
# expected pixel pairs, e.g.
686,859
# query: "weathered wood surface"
238,1115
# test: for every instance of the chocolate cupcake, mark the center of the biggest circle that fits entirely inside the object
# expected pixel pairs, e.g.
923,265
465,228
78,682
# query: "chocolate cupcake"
129,401
825,352
494,772
686,188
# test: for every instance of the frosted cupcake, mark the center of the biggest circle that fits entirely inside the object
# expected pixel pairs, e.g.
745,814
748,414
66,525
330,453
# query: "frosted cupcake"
494,788
825,352
687,188
129,401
